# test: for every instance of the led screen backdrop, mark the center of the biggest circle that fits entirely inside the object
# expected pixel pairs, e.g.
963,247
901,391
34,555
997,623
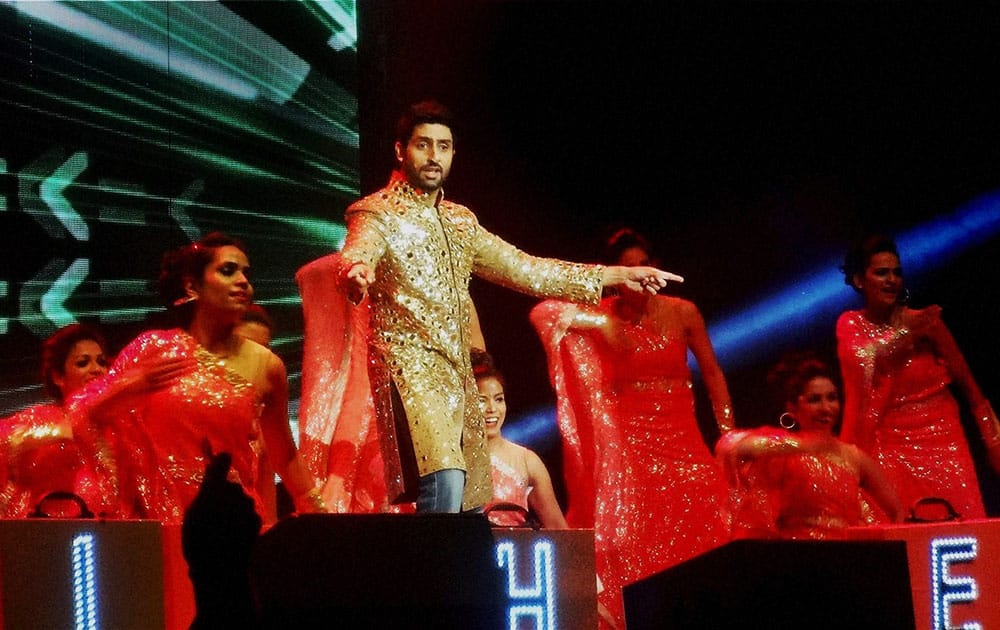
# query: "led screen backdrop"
129,128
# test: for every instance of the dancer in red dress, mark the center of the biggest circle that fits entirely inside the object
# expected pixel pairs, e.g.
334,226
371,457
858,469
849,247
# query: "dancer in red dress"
636,465
799,481
176,396
40,453
897,363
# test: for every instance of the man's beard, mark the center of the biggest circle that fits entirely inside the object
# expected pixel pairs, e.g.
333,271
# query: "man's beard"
416,178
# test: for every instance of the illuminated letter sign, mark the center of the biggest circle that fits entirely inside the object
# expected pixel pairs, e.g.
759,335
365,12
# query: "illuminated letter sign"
948,589
535,600
84,582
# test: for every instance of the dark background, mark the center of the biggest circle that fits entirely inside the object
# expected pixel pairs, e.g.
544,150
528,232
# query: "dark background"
752,142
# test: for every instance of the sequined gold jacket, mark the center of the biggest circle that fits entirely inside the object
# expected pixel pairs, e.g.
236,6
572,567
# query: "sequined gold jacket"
423,257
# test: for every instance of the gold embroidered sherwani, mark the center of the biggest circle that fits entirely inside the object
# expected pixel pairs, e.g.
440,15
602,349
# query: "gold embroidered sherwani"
423,257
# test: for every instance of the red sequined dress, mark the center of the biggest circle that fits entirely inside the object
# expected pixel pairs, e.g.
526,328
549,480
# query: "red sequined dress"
896,390
795,486
636,466
41,456
164,432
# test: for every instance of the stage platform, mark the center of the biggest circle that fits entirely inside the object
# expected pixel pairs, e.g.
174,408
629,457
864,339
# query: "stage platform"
131,574
929,576
954,571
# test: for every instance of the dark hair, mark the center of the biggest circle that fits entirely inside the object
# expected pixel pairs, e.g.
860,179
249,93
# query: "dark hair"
422,113
56,349
859,256
256,314
483,366
619,241
189,262
789,377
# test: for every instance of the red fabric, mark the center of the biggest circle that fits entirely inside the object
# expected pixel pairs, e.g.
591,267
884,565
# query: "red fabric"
637,468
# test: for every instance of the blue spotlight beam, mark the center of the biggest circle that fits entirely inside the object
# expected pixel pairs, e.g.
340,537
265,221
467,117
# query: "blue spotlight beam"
811,301
818,296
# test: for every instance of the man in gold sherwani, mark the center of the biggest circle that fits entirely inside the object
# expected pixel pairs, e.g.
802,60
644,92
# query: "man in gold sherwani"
413,252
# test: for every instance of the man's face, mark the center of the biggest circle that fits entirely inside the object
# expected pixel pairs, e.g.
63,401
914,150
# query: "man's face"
426,158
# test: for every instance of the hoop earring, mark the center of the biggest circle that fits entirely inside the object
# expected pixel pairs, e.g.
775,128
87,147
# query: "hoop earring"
903,298
787,421
185,300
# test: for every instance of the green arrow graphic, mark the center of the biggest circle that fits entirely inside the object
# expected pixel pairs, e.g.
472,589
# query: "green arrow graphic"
51,189
40,188
180,215
42,299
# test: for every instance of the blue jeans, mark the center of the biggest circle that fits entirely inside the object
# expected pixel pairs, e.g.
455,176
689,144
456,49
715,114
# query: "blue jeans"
441,491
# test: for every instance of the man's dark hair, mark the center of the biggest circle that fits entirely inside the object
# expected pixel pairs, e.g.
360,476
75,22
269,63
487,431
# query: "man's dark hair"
422,113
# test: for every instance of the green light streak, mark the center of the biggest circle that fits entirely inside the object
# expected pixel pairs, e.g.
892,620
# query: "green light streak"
320,229
124,315
330,104
130,100
287,340
332,100
245,50
290,300
317,229
172,136
3,320
88,24
325,100
234,165
331,97
20,390
340,17
125,286
213,159
218,42
207,156
346,178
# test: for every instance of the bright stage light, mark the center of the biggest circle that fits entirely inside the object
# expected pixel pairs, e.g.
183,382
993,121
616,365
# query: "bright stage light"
806,305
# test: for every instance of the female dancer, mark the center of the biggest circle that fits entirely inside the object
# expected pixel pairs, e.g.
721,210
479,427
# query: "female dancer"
39,450
636,465
519,475
212,390
897,363
799,481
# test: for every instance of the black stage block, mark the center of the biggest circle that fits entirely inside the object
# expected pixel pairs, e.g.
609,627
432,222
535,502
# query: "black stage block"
379,571
779,584
80,573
